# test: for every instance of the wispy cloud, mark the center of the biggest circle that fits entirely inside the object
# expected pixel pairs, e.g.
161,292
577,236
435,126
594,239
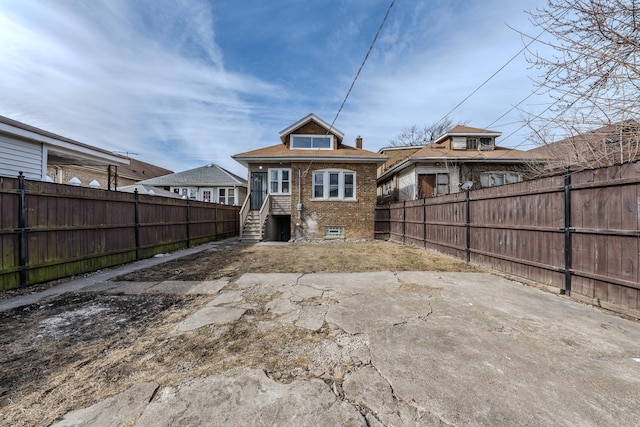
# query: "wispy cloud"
188,82
107,75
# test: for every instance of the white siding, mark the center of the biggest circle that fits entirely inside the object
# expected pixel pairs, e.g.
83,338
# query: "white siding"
407,185
17,155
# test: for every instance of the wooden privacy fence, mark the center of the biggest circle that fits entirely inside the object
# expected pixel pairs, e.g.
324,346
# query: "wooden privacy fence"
49,231
578,232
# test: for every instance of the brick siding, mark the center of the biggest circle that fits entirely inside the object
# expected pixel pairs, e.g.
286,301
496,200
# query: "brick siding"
357,217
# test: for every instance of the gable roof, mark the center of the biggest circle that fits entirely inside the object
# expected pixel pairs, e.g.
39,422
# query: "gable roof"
281,152
311,118
204,176
461,130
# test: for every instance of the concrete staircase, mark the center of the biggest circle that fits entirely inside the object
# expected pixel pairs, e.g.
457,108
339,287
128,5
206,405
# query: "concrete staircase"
252,229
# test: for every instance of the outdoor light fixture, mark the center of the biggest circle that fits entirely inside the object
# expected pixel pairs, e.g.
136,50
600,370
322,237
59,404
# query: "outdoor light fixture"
467,185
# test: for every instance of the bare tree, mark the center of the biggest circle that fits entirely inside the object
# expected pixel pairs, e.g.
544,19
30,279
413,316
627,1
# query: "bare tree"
592,76
414,135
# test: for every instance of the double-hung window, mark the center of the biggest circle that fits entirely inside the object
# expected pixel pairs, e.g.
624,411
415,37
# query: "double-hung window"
280,181
227,196
311,142
334,185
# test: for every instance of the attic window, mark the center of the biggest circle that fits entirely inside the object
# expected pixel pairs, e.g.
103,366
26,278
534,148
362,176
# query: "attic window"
310,142
486,143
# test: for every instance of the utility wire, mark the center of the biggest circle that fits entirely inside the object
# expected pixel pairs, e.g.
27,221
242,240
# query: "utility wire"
373,42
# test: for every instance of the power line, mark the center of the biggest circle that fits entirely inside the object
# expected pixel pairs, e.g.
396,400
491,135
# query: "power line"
373,42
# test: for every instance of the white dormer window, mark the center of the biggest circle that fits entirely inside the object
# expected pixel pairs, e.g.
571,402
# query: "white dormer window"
311,142
486,143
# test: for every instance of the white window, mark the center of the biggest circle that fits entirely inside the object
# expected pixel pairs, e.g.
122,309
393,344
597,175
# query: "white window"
310,142
493,179
280,181
227,196
486,143
442,183
334,184
332,231
387,188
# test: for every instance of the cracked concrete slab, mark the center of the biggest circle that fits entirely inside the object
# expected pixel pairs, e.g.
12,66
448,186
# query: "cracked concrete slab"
414,348
120,410
248,397
210,315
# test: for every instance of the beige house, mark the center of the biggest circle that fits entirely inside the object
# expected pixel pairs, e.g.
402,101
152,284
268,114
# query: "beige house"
463,154
310,185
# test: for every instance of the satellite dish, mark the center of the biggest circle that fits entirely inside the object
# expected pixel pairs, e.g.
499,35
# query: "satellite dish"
467,185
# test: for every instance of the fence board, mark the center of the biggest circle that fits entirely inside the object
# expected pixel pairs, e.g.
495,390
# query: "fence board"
72,230
519,229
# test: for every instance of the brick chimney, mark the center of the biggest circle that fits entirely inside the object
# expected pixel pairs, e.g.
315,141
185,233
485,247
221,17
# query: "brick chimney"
359,142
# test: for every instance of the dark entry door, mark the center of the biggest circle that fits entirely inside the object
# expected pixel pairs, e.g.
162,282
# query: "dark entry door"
426,186
258,189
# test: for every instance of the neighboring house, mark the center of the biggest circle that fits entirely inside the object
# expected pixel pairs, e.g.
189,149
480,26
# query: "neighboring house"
149,190
442,166
30,150
111,177
310,185
209,183
616,143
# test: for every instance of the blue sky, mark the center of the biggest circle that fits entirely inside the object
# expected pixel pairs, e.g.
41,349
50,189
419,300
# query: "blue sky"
184,83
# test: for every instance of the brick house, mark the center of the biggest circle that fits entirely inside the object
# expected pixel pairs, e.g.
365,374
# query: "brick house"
462,154
310,186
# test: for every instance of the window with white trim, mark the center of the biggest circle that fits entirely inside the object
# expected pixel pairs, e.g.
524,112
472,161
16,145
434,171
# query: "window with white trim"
442,183
311,142
334,185
227,196
494,179
486,143
280,181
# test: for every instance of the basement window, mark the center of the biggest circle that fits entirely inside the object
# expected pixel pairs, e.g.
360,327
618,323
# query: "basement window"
333,231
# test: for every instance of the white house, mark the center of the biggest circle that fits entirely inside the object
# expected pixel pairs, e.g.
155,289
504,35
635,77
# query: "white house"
29,150
209,183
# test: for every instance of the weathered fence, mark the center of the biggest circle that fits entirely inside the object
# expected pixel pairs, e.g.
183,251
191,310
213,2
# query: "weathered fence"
578,232
49,231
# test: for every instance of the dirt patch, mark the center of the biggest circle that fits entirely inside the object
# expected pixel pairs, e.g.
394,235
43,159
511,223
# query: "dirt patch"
327,257
71,351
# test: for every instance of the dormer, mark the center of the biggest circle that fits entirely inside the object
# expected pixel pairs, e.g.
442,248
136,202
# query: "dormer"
311,133
467,138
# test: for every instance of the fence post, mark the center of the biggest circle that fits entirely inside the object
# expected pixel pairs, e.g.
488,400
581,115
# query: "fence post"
404,220
22,230
188,226
424,222
468,225
567,231
136,216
